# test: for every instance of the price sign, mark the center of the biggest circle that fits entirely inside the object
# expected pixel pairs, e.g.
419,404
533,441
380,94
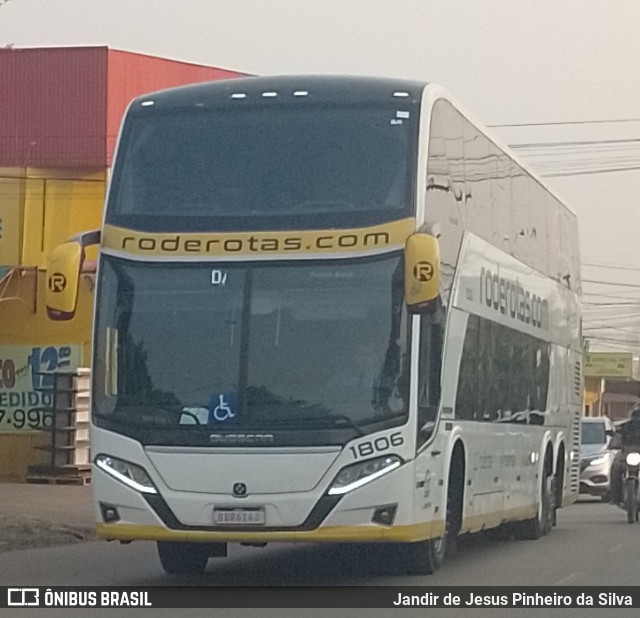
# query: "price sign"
25,374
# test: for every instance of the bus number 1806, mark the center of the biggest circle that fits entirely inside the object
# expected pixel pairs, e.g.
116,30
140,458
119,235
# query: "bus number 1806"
380,444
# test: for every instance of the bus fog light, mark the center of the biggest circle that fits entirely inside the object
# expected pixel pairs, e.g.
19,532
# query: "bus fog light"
385,515
130,474
109,513
363,472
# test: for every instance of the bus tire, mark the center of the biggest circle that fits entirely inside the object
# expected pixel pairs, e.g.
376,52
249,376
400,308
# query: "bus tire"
423,557
183,558
559,484
426,557
532,529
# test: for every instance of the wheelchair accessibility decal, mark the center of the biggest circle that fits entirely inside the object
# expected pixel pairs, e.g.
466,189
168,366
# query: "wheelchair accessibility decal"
222,407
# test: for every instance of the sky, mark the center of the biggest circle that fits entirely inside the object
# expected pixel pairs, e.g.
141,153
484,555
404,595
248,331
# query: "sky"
561,68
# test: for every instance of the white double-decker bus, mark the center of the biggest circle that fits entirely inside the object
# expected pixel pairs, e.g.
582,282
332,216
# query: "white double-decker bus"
328,309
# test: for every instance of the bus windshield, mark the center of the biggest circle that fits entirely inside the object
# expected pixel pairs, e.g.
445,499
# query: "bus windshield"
263,167
309,346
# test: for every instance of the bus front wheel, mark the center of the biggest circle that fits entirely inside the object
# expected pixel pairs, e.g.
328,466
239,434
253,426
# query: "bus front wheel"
424,557
183,558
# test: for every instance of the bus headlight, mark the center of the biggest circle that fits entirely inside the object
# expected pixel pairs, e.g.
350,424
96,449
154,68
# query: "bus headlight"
130,474
363,472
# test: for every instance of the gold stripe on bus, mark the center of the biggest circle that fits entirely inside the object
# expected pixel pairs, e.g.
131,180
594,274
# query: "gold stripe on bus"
373,239
329,534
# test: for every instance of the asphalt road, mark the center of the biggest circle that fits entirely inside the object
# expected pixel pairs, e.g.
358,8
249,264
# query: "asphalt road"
591,546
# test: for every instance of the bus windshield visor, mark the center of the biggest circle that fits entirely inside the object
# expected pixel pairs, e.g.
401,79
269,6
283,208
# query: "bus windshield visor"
285,165
315,345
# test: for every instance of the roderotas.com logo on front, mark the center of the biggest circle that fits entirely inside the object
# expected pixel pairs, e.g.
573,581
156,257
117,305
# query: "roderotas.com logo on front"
23,597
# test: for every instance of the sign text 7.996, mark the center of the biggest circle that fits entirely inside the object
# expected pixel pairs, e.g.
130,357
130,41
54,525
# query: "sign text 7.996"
34,418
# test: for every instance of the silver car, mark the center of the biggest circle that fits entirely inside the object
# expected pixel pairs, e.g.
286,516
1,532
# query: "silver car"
595,456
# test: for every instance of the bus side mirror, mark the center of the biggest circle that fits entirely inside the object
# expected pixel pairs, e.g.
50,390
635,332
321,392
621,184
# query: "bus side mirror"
421,272
63,275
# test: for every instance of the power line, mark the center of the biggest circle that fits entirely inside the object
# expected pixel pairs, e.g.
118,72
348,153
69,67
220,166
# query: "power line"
633,140
629,320
615,295
611,267
600,171
620,330
624,285
564,122
611,338
601,304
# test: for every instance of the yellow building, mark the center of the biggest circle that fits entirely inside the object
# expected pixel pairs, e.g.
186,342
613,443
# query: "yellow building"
59,118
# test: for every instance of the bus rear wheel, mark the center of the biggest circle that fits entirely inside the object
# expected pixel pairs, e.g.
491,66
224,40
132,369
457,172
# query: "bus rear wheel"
533,529
183,558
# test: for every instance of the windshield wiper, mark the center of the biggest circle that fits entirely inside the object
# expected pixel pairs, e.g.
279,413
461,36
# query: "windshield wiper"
338,418
306,422
122,414
118,417
343,418
381,419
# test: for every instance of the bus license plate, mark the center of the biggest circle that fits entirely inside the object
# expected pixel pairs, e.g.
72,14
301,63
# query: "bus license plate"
238,517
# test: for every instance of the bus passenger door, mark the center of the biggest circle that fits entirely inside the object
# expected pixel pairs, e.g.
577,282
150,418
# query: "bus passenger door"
483,414
428,466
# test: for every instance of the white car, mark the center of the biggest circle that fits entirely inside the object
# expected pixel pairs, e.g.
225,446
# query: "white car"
595,456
